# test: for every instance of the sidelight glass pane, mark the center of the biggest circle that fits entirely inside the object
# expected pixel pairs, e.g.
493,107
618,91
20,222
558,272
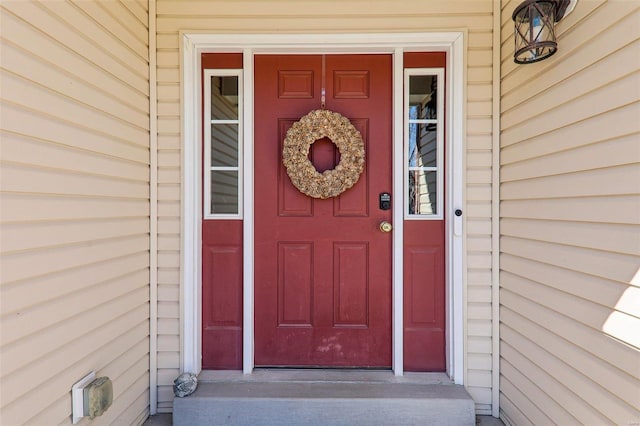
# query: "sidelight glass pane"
224,145
224,97
423,198
224,192
423,145
423,99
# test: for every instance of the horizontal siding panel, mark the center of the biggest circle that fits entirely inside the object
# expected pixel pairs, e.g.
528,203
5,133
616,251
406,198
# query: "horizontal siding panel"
168,142
619,180
167,326
41,45
168,276
169,192
319,8
477,327
169,92
68,350
60,81
593,315
543,391
580,285
139,10
21,208
479,209
610,68
479,109
611,153
115,18
511,403
481,39
479,57
476,227
43,101
60,409
479,158
624,209
615,267
45,154
478,244
22,121
170,343
169,358
168,259
479,378
587,400
479,75
479,92
169,243
599,101
36,236
479,311
584,338
168,293
169,109
169,309
479,293
75,368
332,23
479,361
75,207
582,133
22,266
479,277
479,345
481,395
25,178
597,236
166,376
39,317
51,286
40,18
109,26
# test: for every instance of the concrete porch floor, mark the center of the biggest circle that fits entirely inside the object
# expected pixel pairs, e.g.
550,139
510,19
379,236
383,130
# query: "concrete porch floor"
364,397
165,420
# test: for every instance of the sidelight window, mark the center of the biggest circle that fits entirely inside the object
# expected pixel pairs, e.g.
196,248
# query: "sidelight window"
424,142
222,144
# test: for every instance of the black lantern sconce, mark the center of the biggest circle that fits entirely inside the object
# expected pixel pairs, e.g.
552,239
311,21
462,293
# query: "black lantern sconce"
535,34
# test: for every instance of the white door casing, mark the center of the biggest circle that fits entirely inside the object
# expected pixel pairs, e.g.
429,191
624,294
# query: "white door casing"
192,46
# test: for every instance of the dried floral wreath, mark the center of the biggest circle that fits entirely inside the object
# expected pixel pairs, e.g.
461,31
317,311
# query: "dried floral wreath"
295,154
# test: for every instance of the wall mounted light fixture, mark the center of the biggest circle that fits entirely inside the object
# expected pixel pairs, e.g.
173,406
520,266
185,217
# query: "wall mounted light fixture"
535,35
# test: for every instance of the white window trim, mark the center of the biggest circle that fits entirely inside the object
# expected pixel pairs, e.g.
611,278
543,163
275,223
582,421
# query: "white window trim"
208,73
192,46
439,72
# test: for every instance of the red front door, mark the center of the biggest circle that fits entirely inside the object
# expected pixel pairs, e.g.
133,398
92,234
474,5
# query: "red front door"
322,267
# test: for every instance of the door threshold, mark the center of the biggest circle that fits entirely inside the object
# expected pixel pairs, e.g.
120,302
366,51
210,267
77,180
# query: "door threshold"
323,375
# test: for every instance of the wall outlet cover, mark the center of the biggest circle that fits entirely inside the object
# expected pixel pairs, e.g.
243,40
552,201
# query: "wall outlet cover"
77,397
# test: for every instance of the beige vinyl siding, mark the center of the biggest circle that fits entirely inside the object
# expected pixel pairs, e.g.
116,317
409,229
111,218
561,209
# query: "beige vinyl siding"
289,16
74,292
570,222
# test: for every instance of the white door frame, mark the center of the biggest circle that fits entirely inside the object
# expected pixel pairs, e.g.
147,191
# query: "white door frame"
192,46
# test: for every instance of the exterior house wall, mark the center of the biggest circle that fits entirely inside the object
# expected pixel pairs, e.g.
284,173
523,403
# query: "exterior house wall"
74,296
570,216
289,16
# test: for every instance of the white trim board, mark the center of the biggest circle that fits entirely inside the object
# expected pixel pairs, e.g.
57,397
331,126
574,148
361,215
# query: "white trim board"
192,46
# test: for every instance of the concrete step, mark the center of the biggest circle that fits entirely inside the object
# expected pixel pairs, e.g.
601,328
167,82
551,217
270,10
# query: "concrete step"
324,397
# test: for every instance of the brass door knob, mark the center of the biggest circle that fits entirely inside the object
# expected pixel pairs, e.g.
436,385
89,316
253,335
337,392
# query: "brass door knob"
386,226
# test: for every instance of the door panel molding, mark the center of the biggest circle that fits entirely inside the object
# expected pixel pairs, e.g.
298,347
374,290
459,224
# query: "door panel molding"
192,46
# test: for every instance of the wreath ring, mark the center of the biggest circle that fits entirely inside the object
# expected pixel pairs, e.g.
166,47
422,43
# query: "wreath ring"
295,154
